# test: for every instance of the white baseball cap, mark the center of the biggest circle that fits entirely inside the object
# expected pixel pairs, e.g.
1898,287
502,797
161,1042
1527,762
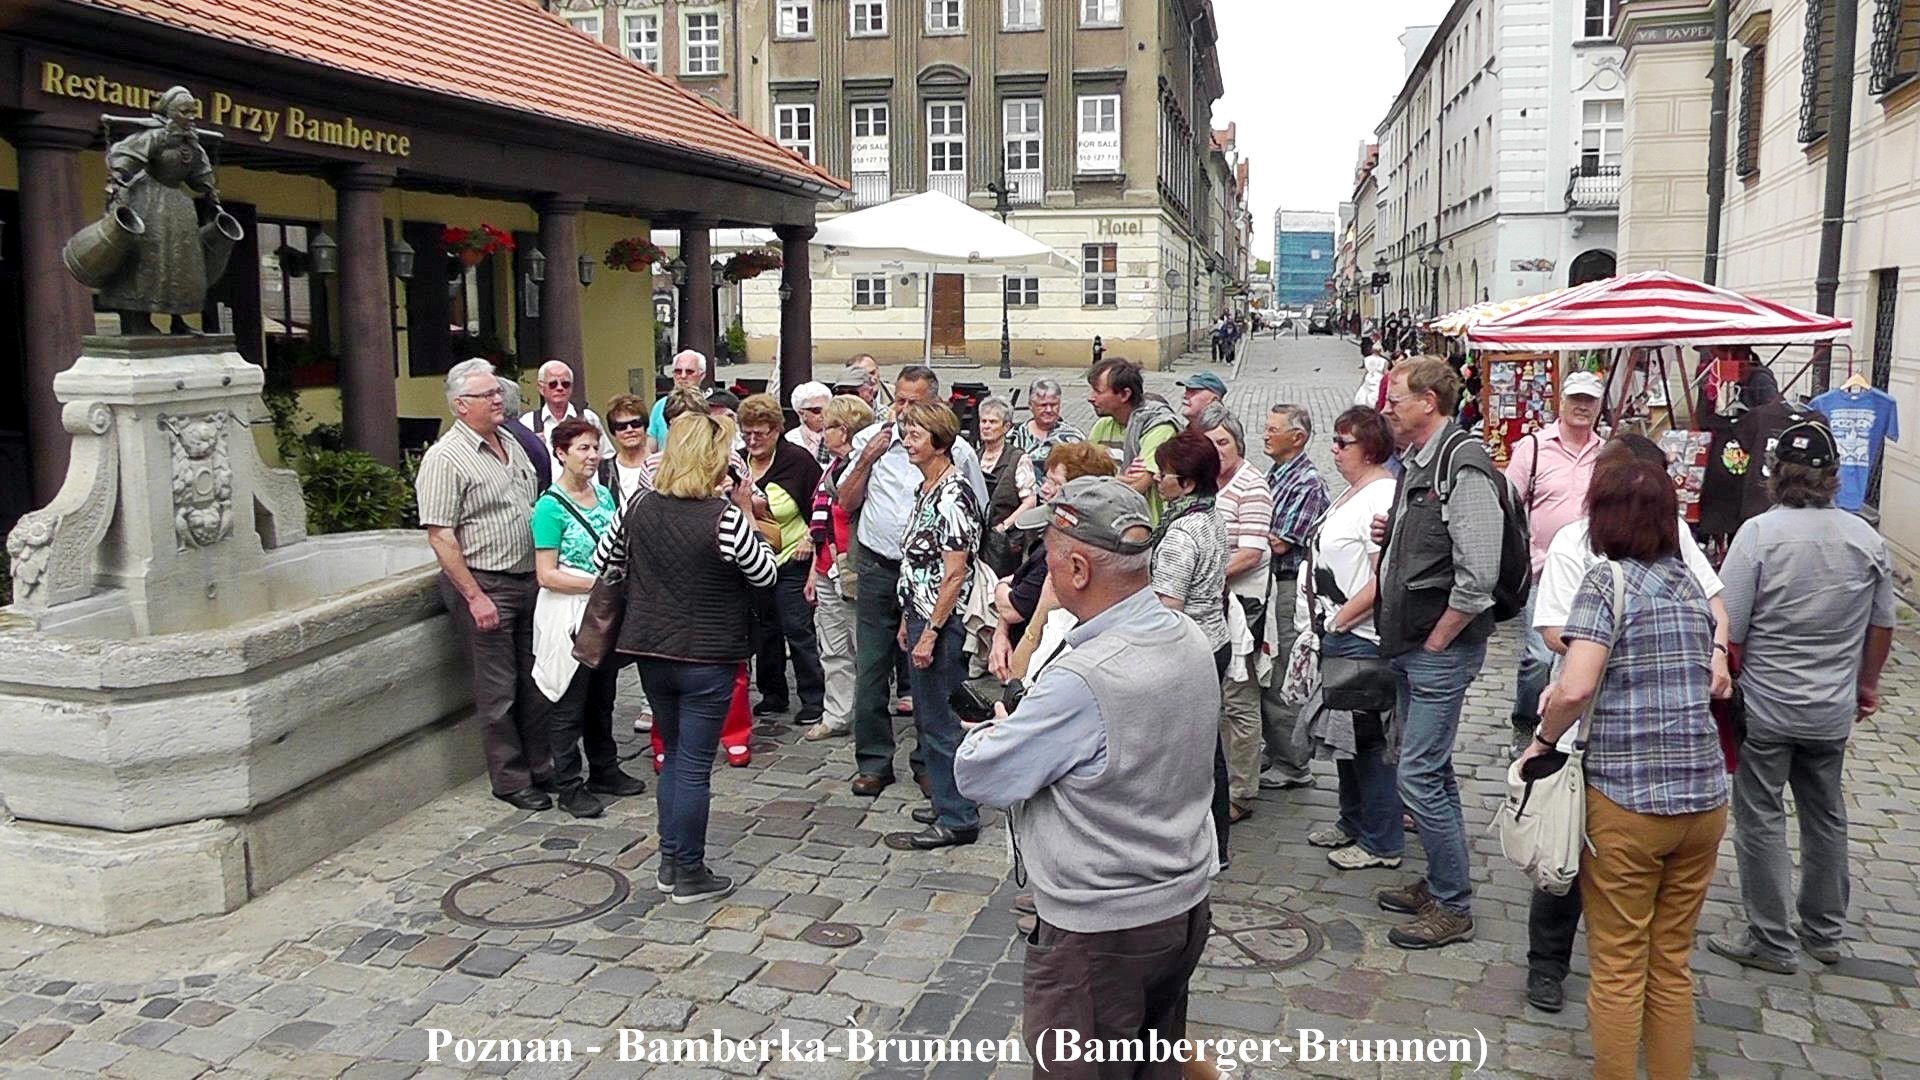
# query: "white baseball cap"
1585,384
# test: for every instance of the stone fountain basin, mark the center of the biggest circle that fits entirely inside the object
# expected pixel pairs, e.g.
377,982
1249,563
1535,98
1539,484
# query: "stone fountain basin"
106,730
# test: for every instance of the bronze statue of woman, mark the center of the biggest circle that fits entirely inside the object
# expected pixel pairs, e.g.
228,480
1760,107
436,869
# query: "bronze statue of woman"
158,174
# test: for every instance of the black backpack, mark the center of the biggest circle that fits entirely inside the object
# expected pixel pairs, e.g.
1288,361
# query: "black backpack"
1515,581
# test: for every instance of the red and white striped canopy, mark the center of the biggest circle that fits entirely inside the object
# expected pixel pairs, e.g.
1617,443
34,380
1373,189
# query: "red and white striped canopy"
1653,308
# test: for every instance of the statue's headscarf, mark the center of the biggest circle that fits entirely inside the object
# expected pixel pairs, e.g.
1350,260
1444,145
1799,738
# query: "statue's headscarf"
175,96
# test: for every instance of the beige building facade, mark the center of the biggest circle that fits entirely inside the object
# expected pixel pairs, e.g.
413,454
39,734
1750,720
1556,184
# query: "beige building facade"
1094,115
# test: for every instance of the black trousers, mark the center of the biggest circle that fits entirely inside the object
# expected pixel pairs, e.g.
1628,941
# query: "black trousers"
783,629
1552,924
1120,984
584,715
1222,808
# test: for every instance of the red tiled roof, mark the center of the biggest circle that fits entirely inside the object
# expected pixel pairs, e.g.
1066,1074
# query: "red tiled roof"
503,52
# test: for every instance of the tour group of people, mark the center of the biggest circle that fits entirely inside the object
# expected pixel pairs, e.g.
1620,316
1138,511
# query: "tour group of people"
1048,605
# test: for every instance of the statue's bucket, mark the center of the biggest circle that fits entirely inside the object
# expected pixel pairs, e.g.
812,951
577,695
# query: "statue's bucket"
96,252
217,238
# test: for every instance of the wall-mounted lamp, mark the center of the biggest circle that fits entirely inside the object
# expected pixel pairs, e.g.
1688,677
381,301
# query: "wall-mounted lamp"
323,254
586,270
536,266
786,292
400,258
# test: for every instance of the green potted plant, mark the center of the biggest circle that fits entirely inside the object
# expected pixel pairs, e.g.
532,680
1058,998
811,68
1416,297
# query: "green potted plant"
737,341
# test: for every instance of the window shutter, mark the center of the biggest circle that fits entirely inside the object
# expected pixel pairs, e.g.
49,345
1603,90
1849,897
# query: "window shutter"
428,351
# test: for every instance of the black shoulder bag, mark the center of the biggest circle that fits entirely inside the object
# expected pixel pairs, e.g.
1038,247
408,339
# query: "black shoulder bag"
1347,683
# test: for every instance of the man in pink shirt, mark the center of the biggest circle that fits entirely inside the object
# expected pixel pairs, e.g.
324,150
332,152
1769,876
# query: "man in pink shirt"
1550,470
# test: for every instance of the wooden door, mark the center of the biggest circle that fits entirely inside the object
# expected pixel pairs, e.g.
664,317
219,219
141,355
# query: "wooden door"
950,315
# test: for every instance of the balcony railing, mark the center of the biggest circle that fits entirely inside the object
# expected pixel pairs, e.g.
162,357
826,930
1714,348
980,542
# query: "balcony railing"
872,188
1593,187
1026,187
954,184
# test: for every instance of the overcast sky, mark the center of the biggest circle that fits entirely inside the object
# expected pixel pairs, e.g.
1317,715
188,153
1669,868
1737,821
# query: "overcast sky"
1307,80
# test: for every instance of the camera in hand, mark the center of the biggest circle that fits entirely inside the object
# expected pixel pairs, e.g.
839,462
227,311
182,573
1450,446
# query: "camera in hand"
970,706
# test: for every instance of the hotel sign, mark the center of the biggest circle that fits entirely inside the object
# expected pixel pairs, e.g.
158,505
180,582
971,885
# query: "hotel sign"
262,122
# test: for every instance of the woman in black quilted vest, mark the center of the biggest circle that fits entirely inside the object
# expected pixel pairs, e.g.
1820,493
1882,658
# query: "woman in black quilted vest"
687,623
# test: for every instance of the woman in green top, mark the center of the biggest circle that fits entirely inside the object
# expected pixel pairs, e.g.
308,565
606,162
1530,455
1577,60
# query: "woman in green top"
568,522
784,479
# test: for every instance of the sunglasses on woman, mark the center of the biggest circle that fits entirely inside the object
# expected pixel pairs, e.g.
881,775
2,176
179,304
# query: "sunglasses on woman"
627,425
1341,442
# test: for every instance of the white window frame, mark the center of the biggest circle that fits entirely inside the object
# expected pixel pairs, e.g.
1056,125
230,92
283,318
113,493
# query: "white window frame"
793,128
1099,12
876,14
1023,292
1105,121
1020,14
1099,288
1599,130
641,51
688,45
875,116
1022,121
870,291
951,136
793,20
946,16
1588,15
589,23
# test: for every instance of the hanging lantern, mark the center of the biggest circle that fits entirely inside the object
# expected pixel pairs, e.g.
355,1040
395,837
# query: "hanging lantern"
323,254
400,258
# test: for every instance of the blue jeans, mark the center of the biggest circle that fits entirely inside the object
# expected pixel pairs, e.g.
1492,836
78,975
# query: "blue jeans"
1536,667
939,729
1433,686
690,703
1369,800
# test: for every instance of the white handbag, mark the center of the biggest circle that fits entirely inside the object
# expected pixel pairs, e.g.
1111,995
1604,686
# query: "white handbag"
1542,825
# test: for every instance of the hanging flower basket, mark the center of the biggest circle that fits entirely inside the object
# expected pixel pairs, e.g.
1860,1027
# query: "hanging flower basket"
635,254
473,246
748,265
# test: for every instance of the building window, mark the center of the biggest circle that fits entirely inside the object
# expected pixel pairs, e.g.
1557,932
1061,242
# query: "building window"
1816,71
1602,134
1099,140
1099,12
643,38
588,24
796,18
867,17
1599,20
1100,275
293,303
1896,43
793,128
870,291
1886,299
1023,292
1020,14
947,147
1020,119
872,161
700,45
945,17
1753,78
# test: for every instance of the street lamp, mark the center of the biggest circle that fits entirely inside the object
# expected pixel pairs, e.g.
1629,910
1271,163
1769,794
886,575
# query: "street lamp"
1003,207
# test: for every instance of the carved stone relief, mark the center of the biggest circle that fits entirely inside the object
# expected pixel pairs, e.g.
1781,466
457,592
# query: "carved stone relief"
202,479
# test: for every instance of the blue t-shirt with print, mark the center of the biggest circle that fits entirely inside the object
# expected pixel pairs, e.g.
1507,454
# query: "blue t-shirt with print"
1861,422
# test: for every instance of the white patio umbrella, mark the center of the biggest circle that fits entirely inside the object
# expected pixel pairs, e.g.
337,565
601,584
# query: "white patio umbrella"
927,234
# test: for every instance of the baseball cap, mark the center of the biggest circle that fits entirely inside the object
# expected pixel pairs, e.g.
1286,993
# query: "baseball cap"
1806,441
1096,510
852,378
1583,383
1204,380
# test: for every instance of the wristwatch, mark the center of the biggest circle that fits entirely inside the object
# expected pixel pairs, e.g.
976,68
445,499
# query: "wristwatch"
1543,740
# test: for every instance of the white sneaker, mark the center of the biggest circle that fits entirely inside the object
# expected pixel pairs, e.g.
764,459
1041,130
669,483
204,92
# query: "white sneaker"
643,723
1329,836
1355,857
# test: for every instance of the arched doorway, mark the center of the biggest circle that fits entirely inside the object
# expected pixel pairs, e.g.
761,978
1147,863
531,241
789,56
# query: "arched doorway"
1591,266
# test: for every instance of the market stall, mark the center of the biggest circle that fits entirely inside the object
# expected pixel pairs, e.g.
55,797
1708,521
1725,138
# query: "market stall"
1514,394
1641,329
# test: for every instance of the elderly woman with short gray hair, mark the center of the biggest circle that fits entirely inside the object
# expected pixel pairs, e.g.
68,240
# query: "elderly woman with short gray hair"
1010,484
1045,429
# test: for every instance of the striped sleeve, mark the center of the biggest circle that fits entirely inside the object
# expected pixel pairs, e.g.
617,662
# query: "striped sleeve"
437,489
1174,561
610,555
742,545
1252,513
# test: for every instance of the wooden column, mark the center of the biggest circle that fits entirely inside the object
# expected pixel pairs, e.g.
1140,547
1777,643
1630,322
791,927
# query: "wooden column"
369,408
561,337
697,315
59,310
796,311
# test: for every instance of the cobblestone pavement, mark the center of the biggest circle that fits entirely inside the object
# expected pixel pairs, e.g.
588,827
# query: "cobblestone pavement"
342,971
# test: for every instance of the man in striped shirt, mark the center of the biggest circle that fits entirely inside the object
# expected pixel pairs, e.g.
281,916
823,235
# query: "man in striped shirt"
476,488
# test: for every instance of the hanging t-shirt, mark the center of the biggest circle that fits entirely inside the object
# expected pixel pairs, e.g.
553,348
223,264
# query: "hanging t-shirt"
1861,421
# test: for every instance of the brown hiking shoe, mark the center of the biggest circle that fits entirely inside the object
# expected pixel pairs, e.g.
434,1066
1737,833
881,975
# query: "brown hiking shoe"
1435,927
1412,899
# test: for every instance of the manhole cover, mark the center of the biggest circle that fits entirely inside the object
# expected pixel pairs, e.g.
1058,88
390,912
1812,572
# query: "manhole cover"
1251,936
537,895
833,935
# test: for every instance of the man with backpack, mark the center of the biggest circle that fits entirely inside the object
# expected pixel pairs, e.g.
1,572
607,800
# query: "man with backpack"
1455,561
1550,471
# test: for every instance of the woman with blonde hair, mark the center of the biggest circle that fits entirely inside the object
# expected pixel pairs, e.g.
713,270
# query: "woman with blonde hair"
830,584
687,624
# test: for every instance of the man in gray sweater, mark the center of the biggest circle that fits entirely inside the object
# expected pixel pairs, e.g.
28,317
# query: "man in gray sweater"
1108,765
